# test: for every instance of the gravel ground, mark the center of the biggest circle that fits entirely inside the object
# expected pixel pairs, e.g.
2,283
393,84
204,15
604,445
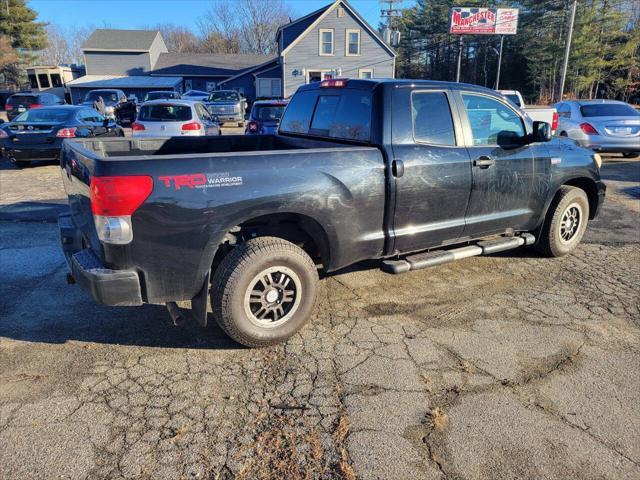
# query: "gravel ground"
508,366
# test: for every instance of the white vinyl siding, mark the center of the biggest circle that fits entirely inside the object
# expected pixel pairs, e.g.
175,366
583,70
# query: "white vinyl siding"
326,42
352,42
365,73
268,87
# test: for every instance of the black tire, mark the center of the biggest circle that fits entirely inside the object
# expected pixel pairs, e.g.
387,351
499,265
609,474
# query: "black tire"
565,223
20,164
563,134
237,282
631,154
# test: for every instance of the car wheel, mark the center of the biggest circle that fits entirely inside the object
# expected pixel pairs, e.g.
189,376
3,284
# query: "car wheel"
631,154
563,134
20,164
264,291
565,223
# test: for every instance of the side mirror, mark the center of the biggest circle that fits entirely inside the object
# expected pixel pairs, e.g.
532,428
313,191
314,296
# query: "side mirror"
541,132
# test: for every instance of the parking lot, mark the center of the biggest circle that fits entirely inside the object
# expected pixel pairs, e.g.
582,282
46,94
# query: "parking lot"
507,366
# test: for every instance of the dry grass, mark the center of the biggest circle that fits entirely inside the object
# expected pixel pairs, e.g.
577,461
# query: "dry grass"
347,471
342,429
180,432
438,419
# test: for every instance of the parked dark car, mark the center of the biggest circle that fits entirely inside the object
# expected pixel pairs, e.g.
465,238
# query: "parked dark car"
359,170
161,95
37,134
21,102
113,98
228,106
265,117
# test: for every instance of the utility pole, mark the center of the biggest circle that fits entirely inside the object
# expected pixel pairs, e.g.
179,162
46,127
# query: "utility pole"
459,58
388,13
499,62
567,49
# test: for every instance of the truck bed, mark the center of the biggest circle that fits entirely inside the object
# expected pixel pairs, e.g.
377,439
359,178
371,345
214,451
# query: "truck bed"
126,148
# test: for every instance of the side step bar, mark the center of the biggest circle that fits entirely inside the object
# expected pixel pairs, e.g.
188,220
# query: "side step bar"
438,257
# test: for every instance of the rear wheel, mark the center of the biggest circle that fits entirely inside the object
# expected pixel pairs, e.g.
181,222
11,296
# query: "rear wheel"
20,164
264,291
565,223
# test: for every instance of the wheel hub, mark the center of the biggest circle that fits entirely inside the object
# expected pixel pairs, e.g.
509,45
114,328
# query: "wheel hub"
273,296
570,223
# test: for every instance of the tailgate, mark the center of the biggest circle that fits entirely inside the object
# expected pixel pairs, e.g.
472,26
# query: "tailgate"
77,168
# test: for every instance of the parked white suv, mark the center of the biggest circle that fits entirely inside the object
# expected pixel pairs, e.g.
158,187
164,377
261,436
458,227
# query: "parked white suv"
174,118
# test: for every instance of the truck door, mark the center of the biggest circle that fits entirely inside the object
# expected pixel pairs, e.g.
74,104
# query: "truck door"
431,169
510,178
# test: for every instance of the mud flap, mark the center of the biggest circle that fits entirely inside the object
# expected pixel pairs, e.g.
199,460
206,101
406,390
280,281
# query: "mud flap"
200,302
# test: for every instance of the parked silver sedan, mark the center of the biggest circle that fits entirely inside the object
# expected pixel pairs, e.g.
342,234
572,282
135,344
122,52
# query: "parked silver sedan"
606,126
174,118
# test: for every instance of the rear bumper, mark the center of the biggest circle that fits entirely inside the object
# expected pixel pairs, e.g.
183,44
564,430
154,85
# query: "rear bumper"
600,143
106,286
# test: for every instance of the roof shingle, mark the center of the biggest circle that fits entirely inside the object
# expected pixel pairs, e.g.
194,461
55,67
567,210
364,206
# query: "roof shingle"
123,40
221,64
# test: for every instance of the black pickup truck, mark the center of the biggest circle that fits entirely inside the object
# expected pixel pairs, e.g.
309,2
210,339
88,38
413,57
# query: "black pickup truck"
411,173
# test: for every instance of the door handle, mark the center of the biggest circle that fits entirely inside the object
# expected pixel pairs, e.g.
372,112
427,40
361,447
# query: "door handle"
397,168
484,162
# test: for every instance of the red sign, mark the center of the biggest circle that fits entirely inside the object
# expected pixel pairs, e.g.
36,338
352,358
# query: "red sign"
484,21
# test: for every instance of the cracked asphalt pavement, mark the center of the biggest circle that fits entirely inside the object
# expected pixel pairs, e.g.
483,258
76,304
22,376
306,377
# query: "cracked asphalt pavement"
510,366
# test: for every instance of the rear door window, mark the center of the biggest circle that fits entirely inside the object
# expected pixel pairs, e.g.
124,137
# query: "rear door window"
22,100
432,121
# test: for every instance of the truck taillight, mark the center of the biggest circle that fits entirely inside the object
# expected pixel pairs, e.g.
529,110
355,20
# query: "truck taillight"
334,83
137,127
67,132
588,129
8,107
192,126
252,126
554,122
113,201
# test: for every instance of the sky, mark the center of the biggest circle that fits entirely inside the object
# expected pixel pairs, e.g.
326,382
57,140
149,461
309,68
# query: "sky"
144,13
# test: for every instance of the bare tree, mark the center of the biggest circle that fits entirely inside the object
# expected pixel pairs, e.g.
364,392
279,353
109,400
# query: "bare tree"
177,38
57,51
242,26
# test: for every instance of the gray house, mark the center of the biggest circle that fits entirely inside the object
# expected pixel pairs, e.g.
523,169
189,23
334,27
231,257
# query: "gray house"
333,41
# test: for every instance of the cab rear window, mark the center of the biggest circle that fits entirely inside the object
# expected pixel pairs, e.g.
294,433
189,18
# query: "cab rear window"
341,114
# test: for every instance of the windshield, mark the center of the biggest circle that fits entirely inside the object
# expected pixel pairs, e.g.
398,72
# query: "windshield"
158,96
164,113
44,115
608,110
195,93
107,96
514,99
268,113
224,96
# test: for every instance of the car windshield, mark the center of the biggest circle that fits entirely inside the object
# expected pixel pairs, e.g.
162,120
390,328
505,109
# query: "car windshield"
514,99
22,100
608,110
164,112
224,96
44,115
158,96
195,93
268,113
107,96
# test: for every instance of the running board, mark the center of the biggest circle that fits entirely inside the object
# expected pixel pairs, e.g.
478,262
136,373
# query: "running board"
438,257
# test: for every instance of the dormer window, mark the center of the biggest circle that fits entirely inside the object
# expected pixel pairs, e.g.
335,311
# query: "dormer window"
326,41
353,42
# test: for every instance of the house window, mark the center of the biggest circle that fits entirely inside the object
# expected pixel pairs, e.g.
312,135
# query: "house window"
353,43
340,12
33,81
43,78
326,41
188,85
56,81
268,87
365,73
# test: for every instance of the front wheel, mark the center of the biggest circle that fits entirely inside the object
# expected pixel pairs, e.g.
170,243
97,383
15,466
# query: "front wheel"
264,291
565,223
